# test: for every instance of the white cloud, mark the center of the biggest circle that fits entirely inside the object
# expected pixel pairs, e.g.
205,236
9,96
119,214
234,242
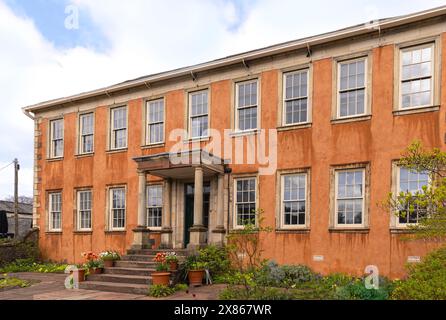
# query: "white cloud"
147,37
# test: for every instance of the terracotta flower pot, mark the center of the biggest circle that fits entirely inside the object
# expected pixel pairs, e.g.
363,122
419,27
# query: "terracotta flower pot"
108,263
195,277
173,265
161,278
81,275
95,270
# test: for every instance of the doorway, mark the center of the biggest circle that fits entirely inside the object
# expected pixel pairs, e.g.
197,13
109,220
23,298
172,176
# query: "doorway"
189,208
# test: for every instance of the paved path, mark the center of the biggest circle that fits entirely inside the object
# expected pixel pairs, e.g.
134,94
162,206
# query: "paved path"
51,287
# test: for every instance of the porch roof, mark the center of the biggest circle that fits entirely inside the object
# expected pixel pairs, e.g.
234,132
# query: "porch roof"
180,165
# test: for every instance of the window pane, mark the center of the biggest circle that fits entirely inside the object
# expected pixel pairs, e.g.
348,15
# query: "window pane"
87,124
247,94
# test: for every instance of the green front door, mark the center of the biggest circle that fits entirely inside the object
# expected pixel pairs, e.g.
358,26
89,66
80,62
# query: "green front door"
189,208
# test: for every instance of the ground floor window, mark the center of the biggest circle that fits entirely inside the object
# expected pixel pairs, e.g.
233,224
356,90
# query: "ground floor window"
118,207
245,201
294,199
84,206
55,211
350,197
154,206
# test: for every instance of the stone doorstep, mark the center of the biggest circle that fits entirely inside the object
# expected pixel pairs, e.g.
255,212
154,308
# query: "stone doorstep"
143,257
120,278
129,271
115,287
179,252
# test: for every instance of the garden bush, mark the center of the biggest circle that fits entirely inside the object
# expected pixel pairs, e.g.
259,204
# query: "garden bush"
274,275
160,291
11,250
356,290
426,280
29,265
216,259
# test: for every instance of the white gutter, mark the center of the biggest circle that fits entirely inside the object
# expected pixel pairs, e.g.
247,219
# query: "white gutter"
241,58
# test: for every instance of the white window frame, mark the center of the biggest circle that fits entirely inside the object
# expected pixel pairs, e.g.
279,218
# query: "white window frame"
149,123
398,190
51,211
285,100
400,78
151,207
190,117
111,208
238,108
282,201
354,225
114,130
235,203
82,135
53,140
338,87
79,211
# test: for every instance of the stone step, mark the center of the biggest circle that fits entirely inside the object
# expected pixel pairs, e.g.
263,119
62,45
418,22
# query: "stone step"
135,264
114,287
179,252
129,271
143,257
120,278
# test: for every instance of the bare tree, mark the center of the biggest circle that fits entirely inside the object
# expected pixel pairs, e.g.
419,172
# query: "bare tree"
22,199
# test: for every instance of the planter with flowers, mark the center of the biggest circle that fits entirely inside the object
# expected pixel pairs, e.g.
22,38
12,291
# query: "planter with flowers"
109,257
195,271
79,272
172,260
93,264
162,275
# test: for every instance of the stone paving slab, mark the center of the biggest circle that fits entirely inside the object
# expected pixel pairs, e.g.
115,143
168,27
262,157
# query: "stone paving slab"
50,286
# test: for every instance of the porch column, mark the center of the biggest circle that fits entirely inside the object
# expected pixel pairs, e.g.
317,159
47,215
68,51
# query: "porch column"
218,234
140,233
198,231
166,231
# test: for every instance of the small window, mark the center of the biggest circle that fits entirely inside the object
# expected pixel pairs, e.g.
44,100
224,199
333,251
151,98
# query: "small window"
154,206
350,186
352,88
155,121
86,125
417,76
55,211
245,201
246,105
56,134
295,97
117,208
198,114
84,207
119,128
413,182
294,200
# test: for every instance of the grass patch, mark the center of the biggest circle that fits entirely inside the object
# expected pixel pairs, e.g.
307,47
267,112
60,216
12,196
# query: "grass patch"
28,265
12,283
160,291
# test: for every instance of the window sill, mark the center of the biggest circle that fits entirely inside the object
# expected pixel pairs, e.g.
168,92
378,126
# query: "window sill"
352,119
294,127
349,230
55,233
153,146
402,112
116,151
400,230
84,155
198,139
83,232
54,159
115,232
235,134
294,230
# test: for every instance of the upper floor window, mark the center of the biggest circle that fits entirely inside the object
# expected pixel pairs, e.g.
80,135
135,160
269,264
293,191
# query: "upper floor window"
155,121
350,190
294,200
154,206
413,182
117,208
246,105
417,76
55,211
245,201
198,114
86,129
118,128
84,207
352,88
295,97
56,137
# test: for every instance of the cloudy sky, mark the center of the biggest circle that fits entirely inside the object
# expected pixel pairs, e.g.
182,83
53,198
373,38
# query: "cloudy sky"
41,59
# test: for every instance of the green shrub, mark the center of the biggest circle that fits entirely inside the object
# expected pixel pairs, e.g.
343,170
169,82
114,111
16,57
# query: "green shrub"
9,283
426,280
29,265
160,291
357,290
12,250
255,293
271,274
216,259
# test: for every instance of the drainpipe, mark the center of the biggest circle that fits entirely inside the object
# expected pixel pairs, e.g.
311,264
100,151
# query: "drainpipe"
228,171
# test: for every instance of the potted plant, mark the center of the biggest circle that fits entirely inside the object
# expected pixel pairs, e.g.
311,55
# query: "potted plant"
109,257
172,260
162,275
92,264
79,272
195,271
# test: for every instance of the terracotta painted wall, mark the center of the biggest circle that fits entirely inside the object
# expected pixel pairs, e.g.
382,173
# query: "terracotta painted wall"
377,141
